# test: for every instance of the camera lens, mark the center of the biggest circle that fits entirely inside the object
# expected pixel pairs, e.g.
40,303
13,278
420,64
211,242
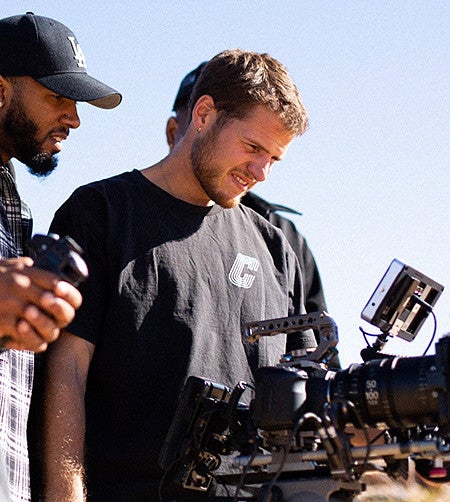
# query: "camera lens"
398,392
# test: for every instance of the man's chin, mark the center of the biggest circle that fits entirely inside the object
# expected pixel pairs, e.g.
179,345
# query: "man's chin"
42,164
229,203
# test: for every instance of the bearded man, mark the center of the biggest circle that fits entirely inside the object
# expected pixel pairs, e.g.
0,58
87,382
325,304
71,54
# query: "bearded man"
42,76
177,267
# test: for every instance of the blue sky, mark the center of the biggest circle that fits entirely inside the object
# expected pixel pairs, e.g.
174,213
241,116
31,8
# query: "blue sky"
371,175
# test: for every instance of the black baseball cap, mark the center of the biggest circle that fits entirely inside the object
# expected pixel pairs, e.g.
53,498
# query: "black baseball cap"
186,87
47,51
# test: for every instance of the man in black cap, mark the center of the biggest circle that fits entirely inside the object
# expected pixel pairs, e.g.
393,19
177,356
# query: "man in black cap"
175,129
42,76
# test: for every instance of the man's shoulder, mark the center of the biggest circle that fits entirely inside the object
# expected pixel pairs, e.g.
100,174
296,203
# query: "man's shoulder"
100,197
264,207
124,182
115,180
270,212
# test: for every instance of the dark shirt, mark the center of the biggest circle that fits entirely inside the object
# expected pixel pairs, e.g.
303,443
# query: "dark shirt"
314,295
171,286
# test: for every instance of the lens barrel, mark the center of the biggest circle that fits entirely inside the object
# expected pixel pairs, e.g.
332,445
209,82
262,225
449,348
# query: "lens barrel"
399,392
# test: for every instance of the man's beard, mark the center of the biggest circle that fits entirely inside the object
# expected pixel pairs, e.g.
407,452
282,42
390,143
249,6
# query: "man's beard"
203,166
23,144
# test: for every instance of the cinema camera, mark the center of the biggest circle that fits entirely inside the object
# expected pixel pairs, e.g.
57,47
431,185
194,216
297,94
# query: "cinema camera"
60,255
295,437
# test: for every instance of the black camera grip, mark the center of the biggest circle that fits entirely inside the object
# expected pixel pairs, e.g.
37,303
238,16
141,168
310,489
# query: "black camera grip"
60,255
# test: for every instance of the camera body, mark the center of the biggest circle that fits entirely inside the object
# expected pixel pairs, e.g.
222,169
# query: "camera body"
60,255
297,422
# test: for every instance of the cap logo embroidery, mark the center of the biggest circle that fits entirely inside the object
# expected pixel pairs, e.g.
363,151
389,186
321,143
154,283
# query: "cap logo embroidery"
78,53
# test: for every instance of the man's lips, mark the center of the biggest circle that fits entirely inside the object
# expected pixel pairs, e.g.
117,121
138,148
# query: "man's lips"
244,182
56,139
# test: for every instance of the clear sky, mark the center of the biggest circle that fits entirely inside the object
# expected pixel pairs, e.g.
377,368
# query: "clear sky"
370,176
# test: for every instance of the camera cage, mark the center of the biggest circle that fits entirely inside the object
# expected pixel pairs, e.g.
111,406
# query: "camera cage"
211,427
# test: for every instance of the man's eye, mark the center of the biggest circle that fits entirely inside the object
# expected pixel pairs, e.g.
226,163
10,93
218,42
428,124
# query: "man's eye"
252,148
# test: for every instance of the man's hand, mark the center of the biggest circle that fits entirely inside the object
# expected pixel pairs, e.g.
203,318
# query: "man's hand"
34,305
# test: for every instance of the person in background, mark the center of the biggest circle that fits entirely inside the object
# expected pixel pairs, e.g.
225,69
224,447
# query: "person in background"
42,76
175,129
177,268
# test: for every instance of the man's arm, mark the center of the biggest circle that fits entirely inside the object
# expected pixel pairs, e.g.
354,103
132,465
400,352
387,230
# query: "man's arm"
34,305
63,429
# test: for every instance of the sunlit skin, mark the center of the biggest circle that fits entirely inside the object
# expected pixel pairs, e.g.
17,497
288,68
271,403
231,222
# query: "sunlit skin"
230,161
219,164
51,115
54,114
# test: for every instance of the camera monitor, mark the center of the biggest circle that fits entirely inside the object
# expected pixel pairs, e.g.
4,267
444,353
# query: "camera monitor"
402,301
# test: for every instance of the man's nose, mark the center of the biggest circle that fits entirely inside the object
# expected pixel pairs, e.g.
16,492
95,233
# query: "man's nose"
260,169
70,117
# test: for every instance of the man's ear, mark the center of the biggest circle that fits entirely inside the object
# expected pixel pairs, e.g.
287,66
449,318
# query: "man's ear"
204,112
171,132
4,85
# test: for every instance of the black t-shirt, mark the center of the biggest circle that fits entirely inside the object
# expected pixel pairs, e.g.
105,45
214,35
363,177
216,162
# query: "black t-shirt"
171,287
314,294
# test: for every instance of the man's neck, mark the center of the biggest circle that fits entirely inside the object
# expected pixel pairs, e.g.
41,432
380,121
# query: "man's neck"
174,175
5,147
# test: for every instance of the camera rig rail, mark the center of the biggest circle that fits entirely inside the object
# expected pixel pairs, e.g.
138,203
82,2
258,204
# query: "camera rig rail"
321,322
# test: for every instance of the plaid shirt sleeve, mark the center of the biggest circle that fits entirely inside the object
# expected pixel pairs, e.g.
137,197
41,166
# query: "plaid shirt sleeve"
16,367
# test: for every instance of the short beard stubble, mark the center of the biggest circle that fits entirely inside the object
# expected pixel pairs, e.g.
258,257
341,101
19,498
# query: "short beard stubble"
204,164
22,131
